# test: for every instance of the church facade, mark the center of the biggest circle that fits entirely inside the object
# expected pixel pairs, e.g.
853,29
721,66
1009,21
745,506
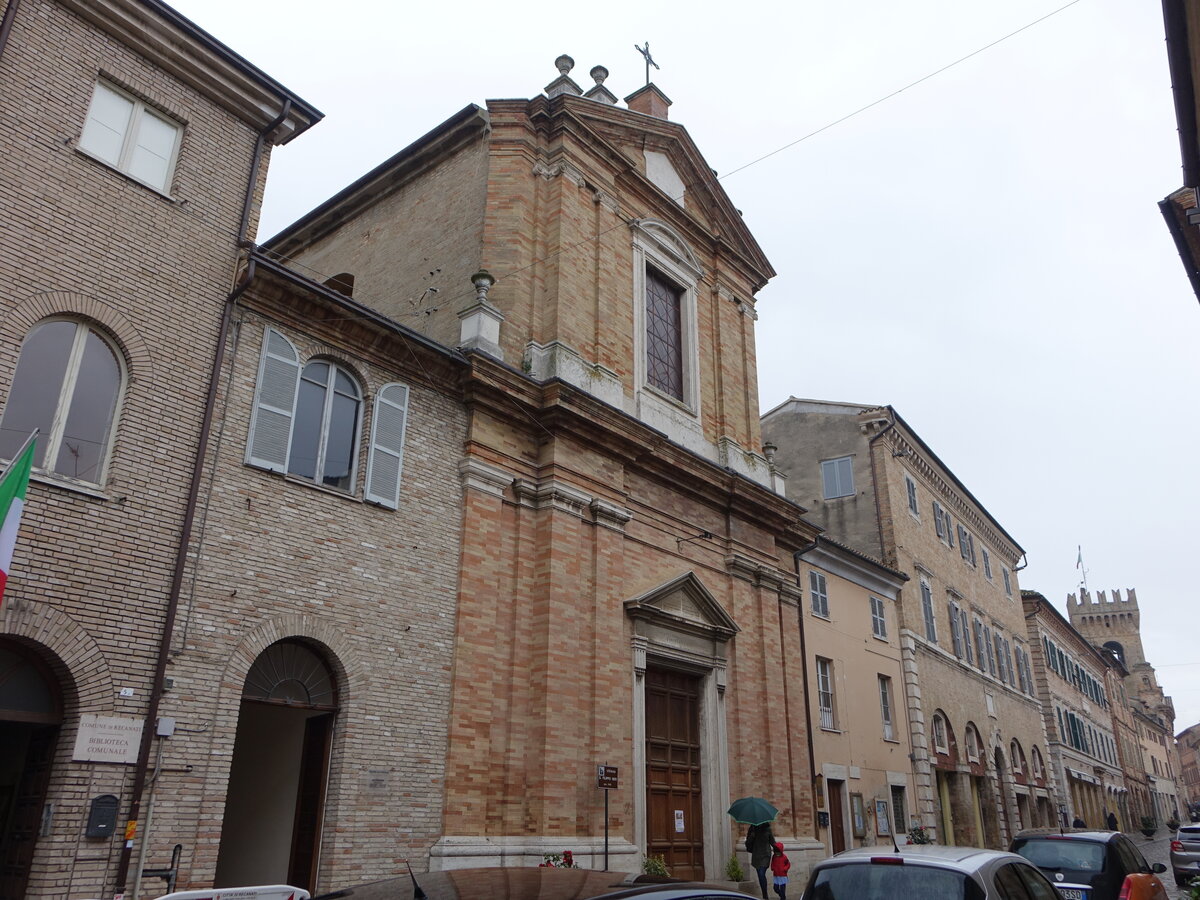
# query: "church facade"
627,593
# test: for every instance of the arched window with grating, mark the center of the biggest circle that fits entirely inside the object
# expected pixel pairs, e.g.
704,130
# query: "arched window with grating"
291,673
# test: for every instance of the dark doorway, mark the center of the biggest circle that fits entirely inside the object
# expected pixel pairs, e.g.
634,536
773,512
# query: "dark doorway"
837,817
675,829
275,801
30,715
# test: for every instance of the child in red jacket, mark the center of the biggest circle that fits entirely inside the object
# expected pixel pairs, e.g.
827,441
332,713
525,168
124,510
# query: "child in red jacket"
779,868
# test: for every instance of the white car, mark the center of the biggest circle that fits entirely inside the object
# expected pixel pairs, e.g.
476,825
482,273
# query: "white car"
927,871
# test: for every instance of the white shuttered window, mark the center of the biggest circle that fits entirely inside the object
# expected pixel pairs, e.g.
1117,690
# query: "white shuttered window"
274,404
387,446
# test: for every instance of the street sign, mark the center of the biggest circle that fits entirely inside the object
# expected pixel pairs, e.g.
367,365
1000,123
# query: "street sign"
606,777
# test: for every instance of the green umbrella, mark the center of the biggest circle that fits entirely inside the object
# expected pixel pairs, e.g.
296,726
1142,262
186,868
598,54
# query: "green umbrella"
752,811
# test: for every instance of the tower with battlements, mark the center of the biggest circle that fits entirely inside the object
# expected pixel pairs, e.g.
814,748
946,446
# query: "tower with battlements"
1115,625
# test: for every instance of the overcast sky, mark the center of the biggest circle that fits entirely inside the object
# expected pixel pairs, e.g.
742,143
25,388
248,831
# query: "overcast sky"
983,251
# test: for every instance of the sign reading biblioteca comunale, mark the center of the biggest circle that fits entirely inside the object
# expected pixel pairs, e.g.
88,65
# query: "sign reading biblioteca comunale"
108,739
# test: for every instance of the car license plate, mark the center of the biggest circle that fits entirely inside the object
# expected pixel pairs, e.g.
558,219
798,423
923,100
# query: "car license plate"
1072,893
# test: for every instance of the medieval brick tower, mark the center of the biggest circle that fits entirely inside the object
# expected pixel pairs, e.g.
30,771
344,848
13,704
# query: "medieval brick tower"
1115,625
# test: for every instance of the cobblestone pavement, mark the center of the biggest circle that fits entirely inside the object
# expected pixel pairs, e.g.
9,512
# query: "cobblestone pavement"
1158,850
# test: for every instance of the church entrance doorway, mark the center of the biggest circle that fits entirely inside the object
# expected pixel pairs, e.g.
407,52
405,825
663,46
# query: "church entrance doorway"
276,796
30,716
675,822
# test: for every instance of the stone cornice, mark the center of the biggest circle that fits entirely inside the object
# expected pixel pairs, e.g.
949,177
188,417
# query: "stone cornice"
555,405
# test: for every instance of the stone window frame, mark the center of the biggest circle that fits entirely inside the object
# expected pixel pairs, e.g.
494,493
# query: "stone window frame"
659,247
129,137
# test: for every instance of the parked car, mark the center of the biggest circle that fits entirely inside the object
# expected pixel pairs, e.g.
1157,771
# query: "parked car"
1091,865
929,872
541,882
1185,854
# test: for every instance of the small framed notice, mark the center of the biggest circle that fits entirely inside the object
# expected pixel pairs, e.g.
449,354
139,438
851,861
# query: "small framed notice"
679,827
883,823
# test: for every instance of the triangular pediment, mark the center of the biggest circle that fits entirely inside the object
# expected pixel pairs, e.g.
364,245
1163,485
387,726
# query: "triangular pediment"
686,604
656,146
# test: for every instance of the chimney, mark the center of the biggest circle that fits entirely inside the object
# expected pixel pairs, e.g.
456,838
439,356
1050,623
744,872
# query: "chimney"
650,101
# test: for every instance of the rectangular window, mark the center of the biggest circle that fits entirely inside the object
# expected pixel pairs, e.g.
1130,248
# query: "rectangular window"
927,611
1001,658
987,564
825,693
131,137
878,619
1007,581
938,525
885,707
664,334
956,634
912,496
968,654
987,642
818,594
837,476
980,642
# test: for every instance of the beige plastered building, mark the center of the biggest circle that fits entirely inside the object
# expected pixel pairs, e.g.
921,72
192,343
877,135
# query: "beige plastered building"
860,730
976,730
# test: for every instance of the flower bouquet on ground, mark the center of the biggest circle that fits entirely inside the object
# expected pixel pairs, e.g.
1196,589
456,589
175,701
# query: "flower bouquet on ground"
918,835
564,860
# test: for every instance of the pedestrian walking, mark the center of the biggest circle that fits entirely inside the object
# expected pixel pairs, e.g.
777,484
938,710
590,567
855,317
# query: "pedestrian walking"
760,843
779,868
1079,823
1112,821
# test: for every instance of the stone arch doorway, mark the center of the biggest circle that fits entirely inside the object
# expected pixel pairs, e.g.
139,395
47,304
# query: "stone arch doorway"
274,804
30,718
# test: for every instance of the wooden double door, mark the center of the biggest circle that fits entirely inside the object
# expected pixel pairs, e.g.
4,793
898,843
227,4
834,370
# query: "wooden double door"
675,826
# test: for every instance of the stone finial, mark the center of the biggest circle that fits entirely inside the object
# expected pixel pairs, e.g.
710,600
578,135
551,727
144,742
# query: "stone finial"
479,323
769,451
599,92
483,281
563,84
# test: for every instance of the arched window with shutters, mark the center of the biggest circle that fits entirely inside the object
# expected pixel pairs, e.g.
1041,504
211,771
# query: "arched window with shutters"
307,418
68,384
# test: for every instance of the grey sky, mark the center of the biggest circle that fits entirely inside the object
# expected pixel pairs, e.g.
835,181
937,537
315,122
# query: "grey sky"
983,251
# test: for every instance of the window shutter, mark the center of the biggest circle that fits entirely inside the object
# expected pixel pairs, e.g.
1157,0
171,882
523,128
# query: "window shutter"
845,477
387,446
829,478
938,524
274,403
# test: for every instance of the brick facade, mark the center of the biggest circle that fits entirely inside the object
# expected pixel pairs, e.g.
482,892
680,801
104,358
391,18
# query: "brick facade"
149,271
608,532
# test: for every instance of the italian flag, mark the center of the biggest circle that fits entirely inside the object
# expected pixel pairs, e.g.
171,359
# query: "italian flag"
13,485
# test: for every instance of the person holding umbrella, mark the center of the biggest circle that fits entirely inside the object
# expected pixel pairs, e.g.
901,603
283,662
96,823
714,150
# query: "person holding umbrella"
760,840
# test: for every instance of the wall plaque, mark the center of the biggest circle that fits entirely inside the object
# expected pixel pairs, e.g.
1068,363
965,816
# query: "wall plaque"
108,739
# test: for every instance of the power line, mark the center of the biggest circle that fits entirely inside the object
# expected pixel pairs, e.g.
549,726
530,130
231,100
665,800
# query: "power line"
591,239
